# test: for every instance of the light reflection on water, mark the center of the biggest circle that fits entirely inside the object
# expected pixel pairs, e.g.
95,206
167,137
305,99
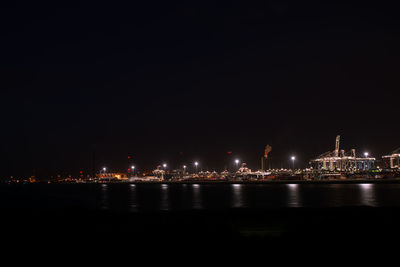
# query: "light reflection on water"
156,197
133,205
105,203
168,197
368,197
165,205
237,194
293,199
196,197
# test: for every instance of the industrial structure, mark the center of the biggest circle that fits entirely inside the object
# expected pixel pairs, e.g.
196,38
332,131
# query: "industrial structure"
264,158
339,160
112,176
393,160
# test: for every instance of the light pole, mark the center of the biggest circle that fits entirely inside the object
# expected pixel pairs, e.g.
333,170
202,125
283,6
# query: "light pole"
366,164
293,159
133,169
104,170
184,168
237,164
163,175
196,164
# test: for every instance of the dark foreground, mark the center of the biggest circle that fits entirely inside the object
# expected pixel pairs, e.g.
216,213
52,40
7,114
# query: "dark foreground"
290,229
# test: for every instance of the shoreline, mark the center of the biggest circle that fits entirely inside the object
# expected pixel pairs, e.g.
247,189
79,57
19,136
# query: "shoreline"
269,182
348,181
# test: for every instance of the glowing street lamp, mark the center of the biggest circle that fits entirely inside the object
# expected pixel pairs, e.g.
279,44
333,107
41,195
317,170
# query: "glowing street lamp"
196,164
184,169
293,158
165,165
104,170
366,163
237,163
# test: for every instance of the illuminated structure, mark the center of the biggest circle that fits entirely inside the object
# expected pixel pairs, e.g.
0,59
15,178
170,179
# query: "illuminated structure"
393,159
243,169
264,159
338,160
112,176
160,173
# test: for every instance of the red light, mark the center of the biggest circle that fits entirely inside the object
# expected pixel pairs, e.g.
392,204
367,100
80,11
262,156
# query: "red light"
229,152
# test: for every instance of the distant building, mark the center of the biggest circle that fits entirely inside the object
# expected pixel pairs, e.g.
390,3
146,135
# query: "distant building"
243,169
393,160
339,160
112,176
159,173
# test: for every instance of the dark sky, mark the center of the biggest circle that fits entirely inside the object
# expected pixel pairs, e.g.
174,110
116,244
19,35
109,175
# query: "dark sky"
156,78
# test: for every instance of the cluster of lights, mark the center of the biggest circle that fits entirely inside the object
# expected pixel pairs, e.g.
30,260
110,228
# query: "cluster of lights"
366,155
196,164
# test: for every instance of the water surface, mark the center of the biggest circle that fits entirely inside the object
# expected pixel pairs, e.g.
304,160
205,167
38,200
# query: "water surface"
171,197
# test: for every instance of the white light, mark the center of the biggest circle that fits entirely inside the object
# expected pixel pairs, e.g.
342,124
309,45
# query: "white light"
196,163
237,161
293,158
366,186
366,154
165,165
184,166
104,169
133,167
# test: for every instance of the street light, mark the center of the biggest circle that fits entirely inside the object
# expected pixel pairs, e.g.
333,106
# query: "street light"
165,165
237,163
104,170
196,164
366,163
293,159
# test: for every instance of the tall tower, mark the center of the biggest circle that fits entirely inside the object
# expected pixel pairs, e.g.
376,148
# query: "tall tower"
262,164
337,146
267,149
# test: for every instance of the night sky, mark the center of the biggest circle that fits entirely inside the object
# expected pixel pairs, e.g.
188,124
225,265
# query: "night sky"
175,82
